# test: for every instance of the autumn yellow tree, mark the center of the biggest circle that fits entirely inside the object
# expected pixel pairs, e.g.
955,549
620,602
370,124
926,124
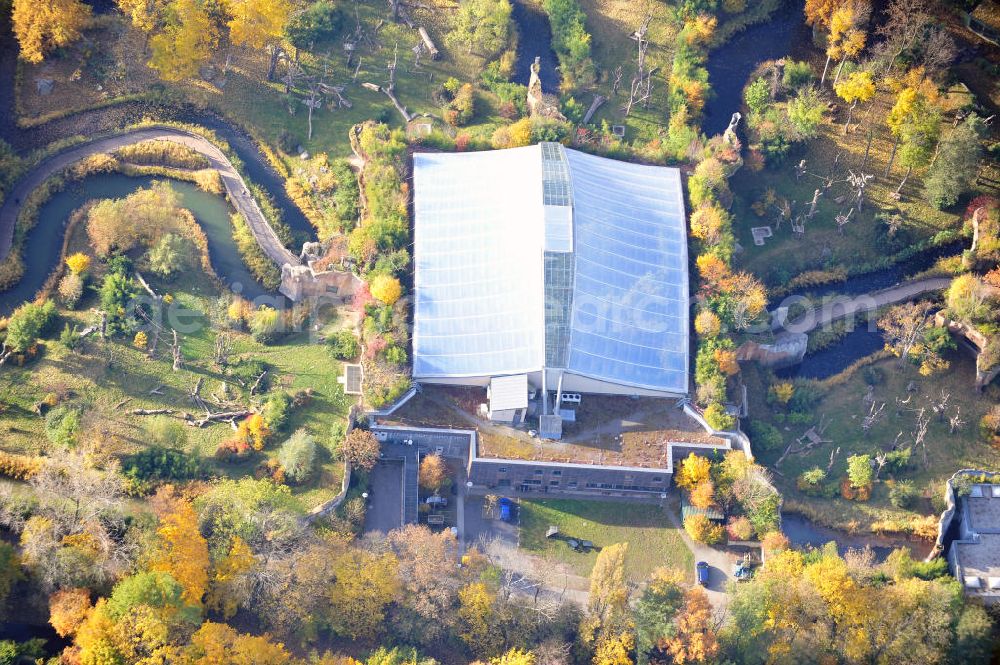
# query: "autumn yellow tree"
218,644
185,42
386,288
847,37
707,323
433,472
708,222
364,585
476,621
515,657
41,27
703,530
145,15
695,640
68,608
78,263
257,23
694,469
227,589
183,551
857,87
703,494
615,649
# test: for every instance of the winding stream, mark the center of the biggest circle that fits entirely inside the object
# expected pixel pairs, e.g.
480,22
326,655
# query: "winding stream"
534,39
805,533
43,242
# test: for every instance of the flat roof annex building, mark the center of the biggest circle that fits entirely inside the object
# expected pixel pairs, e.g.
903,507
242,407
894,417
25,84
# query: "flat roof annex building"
547,262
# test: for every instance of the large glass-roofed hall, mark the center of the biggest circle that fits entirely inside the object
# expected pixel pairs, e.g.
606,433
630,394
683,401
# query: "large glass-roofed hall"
547,262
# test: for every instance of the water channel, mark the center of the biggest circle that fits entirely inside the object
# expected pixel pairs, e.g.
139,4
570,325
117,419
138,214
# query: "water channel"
43,242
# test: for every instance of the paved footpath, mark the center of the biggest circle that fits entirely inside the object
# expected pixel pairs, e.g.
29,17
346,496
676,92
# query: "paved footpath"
236,188
844,307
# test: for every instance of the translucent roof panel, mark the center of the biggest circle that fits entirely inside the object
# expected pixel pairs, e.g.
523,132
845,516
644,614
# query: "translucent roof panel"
478,263
630,314
546,257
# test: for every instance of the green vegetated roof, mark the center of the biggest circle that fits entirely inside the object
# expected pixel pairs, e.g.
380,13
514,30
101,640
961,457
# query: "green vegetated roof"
688,510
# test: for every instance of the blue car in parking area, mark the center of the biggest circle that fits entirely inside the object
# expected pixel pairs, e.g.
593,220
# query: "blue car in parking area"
506,509
701,572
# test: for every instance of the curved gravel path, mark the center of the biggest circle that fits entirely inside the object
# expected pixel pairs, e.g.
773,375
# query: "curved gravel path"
235,186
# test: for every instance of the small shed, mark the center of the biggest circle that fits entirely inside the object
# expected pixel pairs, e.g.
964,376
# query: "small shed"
714,514
508,397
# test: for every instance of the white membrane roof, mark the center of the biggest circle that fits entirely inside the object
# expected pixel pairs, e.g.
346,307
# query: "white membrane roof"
586,274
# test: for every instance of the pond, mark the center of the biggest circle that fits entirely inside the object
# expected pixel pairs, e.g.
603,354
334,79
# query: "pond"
41,251
805,533
730,65
534,40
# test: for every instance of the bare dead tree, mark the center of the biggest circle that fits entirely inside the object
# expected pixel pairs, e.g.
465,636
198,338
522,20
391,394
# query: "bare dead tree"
175,349
842,220
920,433
617,80
223,347
956,422
940,405
874,415
639,90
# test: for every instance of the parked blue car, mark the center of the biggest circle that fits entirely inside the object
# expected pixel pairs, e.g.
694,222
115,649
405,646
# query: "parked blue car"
506,509
701,571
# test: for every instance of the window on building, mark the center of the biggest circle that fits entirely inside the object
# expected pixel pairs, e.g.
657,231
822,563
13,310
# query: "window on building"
554,483
557,472
502,469
539,472
657,479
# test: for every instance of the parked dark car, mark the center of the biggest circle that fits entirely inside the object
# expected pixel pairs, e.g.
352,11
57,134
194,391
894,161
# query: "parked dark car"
506,509
701,571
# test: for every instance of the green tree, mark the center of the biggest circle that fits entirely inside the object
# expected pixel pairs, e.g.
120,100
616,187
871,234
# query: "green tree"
758,96
805,112
298,455
659,603
859,471
116,292
954,171
157,590
169,255
481,25
319,23
27,323
62,424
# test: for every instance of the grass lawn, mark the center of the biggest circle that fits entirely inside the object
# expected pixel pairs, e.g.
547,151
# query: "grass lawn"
842,410
653,542
107,380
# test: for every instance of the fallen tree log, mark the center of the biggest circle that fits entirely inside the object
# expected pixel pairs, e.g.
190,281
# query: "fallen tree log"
151,412
221,417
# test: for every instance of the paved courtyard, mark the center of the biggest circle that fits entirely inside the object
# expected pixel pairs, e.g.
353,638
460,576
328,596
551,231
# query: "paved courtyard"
385,497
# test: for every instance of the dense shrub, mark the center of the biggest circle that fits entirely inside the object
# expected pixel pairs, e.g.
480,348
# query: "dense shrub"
70,290
62,425
163,153
29,322
571,42
462,107
703,530
19,467
169,256
276,409
343,345
298,455
797,74
765,436
157,464
903,494
718,419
